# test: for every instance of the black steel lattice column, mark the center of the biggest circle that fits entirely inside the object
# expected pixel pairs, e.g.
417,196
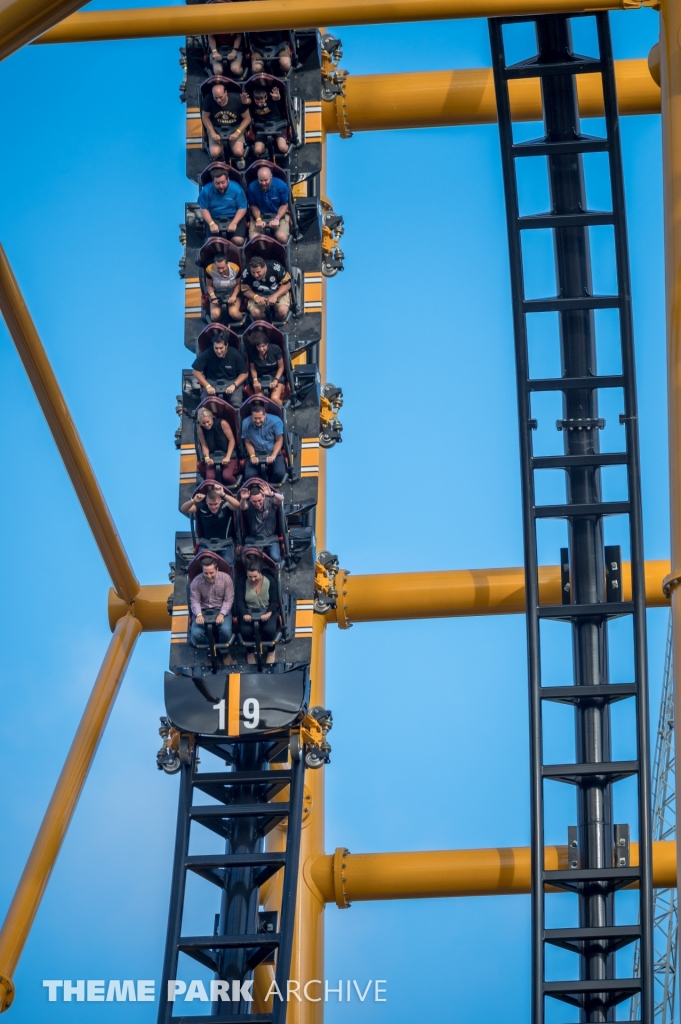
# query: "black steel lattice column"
598,872
247,806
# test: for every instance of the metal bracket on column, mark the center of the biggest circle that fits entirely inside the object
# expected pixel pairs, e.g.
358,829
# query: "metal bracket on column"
670,582
339,879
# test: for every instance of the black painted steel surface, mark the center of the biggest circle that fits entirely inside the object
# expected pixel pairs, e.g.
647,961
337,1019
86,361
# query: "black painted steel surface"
599,862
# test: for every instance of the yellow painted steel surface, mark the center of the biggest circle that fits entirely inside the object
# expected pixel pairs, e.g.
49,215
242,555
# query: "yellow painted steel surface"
307,961
47,845
429,99
414,595
429,595
150,608
670,84
67,439
432,874
21,21
293,14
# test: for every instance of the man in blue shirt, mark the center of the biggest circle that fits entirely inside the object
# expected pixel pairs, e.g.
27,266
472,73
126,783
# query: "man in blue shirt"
223,200
263,437
268,200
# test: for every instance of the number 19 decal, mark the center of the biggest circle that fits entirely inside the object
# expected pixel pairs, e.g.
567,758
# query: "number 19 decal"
251,713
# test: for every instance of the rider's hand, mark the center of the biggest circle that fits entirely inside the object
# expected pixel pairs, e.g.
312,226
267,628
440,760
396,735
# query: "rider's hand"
220,619
247,618
199,619
266,616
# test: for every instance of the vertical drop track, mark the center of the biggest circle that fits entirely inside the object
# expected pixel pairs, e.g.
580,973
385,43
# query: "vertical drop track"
598,863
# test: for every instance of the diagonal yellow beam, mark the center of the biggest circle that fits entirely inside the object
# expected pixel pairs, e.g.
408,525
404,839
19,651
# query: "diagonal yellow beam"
198,19
67,439
22,21
47,845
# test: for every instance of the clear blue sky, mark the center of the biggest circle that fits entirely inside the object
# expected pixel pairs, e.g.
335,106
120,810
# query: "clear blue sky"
92,189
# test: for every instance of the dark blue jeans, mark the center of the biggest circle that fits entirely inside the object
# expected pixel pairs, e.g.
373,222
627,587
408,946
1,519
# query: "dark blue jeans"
198,634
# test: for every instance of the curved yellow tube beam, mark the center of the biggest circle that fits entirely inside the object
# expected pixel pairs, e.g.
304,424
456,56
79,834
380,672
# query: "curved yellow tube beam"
293,14
431,99
434,874
48,842
56,412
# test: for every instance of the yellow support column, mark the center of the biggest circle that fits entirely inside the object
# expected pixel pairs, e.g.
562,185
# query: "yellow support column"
670,84
307,963
36,874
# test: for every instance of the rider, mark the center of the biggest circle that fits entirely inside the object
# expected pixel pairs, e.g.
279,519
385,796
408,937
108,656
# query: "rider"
211,590
263,434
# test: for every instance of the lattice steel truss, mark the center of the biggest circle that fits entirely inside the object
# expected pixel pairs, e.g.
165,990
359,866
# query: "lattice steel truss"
665,907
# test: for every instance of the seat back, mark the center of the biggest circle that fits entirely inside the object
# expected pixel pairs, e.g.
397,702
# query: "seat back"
268,248
270,407
212,246
222,411
251,172
209,334
231,172
195,567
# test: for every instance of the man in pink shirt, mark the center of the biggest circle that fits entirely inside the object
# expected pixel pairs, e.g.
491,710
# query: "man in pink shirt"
211,591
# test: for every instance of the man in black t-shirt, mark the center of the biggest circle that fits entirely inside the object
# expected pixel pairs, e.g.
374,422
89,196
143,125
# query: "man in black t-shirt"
269,118
225,119
266,365
221,369
267,287
212,511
